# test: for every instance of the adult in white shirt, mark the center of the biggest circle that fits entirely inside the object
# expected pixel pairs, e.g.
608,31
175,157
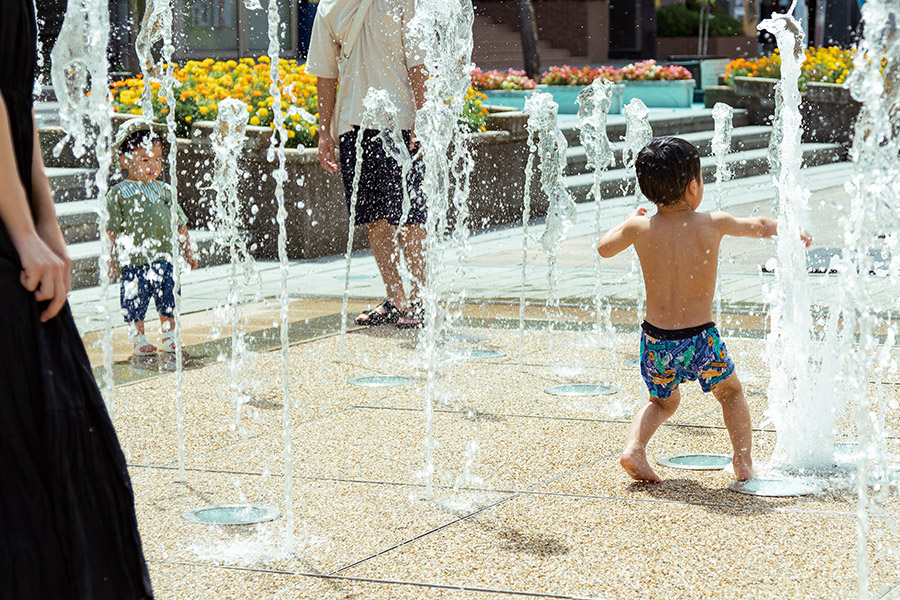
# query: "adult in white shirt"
385,57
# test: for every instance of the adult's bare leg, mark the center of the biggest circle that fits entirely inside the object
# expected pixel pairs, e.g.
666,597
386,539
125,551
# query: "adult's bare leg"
413,238
386,252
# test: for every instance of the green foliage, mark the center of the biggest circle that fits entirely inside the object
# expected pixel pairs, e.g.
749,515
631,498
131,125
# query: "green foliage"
683,20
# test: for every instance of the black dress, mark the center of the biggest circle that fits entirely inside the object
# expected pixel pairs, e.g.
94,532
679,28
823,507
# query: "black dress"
67,523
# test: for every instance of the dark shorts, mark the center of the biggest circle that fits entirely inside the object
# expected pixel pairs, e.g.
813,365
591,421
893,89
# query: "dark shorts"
669,357
380,195
142,282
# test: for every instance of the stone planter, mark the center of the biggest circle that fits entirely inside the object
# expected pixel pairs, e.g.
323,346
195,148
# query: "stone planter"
830,93
829,111
508,98
317,221
678,94
565,96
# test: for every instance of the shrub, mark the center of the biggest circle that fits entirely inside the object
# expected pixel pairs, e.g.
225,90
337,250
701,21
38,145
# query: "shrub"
683,20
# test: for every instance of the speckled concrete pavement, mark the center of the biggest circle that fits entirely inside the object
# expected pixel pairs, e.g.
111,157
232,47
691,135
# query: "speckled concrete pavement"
528,497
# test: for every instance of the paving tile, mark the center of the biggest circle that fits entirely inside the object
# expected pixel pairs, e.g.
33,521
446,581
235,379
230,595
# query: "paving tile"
616,549
202,582
336,524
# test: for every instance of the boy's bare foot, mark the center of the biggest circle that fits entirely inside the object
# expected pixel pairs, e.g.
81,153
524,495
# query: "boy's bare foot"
743,468
634,461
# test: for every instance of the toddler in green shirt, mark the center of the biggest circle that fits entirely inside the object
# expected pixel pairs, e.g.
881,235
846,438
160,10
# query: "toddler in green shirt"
140,229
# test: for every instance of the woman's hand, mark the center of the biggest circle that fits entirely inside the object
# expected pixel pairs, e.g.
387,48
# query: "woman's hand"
52,235
43,272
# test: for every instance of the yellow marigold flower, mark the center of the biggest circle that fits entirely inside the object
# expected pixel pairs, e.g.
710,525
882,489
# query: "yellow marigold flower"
136,111
254,120
263,112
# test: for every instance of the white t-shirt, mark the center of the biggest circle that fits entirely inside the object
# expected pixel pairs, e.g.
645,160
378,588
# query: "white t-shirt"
381,59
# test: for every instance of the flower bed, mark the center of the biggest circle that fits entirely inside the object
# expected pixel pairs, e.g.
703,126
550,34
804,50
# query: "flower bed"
566,75
829,111
504,88
201,85
821,65
565,83
511,80
655,84
649,70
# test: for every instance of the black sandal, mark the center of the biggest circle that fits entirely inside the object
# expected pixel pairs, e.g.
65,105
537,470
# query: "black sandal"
383,314
413,317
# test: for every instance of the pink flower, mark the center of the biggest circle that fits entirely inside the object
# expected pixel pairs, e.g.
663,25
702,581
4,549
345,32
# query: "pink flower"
648,70
566,75
501,80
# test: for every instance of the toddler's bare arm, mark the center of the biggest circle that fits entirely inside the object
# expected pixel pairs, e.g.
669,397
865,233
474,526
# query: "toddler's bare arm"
760,227
186,249
621,236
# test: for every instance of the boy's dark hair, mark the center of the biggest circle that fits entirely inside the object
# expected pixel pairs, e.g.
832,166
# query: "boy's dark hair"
141,138
665,167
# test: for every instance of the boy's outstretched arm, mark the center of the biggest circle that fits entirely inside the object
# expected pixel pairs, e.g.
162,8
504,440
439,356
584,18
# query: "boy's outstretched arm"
759,227
622,235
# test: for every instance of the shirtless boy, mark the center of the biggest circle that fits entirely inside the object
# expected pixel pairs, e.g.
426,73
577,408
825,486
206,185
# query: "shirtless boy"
678,248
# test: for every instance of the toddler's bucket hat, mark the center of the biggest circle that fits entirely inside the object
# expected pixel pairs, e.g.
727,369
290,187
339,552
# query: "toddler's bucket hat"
133,126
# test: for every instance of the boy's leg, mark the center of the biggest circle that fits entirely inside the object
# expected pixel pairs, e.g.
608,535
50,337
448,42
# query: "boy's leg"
643,426
163,285
134,300
166,324
736,415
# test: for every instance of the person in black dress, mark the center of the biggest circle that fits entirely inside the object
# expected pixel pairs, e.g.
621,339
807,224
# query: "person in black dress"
67,524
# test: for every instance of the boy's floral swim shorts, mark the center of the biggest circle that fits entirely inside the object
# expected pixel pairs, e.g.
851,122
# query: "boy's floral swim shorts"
669,357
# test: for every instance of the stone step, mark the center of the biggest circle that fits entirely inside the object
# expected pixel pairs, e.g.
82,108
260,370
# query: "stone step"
78,221
69,185
751,137
499,46
676,122
46,114
620,182
85,257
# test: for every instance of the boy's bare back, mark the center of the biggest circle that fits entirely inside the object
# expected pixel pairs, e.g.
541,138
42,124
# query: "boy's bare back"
679,253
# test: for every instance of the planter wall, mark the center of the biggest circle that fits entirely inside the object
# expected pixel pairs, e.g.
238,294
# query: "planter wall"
565,96
739,46
508,98
578,26
661,93
318,221
829,111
